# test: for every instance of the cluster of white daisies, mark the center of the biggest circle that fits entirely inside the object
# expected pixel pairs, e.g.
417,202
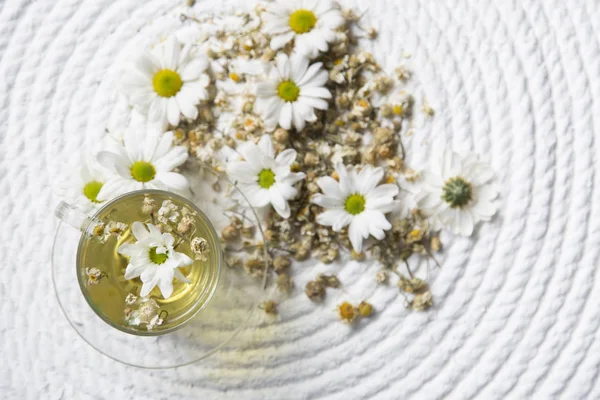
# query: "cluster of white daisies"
172,79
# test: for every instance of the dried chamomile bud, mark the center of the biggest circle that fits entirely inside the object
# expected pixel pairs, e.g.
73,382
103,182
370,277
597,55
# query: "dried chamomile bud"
422,301
186,225
315,291
347,312
94,275
281,264
331,281
200,248
382,276
270,307
435,244
230,233
365,309
149,205
284,283
255,266
413,285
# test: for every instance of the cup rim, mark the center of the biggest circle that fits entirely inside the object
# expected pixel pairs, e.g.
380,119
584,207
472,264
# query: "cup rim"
211,229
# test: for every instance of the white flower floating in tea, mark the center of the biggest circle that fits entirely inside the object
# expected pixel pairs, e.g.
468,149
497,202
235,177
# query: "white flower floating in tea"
144,160
153,259
456,193
312,25
358,201
292,92
264,178
167,82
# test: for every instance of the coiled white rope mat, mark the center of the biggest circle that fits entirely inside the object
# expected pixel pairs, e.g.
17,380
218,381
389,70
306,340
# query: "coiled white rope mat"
517,306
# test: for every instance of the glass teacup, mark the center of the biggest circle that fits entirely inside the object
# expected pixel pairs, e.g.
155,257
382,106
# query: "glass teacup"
147,261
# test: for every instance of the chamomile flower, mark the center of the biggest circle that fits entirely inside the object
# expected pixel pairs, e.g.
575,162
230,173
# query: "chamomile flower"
153,259
311,24
456,192
144,160
263,178
356,200
84,186
291,93
167,81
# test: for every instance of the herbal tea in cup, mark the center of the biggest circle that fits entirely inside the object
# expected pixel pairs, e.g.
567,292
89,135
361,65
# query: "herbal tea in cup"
147,261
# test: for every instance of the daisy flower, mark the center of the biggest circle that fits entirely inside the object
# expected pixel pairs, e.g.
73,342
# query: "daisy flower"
153,259
456,193
143,161
356,200
310,23
264,178
167,81
291,93
84,186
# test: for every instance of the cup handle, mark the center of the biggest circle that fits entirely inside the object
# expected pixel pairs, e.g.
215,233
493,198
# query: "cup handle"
73,216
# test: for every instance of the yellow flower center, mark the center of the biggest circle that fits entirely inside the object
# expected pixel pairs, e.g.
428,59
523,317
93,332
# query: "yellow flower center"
143,171
288,91
266,178
155,257
457,192
91,190
303,21
167,83
355,204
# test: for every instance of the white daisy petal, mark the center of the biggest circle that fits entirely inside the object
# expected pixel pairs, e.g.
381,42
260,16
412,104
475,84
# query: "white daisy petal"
174,157
286,157
266,146
285,118
316,92
281,40
279,203
283,66
139,231
173,111
355,234
180,276
299,66
173,180
370,177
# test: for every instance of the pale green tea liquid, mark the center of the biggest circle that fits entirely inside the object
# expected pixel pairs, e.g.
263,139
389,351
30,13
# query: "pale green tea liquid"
107,297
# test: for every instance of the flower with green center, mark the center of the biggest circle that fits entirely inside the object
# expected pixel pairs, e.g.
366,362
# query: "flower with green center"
156,159
291,93
310,25
357,200
288,91
355,204
153,259
303,21
264,179
457,192
143,171
157,258
82,187
91,190
167,83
